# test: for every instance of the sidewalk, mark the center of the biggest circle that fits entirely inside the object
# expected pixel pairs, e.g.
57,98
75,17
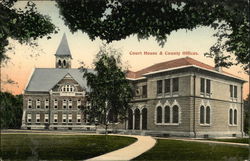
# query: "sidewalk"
205,141
143,144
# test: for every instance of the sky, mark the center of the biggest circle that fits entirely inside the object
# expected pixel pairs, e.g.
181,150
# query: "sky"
24,58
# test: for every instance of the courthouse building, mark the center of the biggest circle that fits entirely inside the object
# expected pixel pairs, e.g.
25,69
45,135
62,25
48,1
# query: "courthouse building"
181,97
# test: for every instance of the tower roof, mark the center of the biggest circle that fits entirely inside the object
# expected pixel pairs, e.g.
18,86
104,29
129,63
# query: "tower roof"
63,48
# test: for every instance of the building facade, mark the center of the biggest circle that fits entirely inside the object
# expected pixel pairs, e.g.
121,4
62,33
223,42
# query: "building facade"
185,97
181,97
54,97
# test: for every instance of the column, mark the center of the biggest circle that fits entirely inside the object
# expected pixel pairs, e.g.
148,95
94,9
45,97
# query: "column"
140,120
133,120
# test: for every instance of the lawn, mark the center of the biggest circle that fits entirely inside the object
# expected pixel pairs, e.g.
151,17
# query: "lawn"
234,140
183,150
58,147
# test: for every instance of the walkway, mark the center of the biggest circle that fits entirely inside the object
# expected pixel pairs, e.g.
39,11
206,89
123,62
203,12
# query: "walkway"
143,144
205,141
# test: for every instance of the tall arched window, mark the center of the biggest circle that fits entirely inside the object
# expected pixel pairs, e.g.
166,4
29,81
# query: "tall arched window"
235,117
202,115
64,62
208,115
130,119
175,114
167,114
159,114
59,62
137,119
231,116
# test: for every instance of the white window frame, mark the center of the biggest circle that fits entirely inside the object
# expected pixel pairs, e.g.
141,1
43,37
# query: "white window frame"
78,117
205,115
70,104
55,117
29,104
38,117
55,103
38,103
46,103
29,117
46,117
69,118
205,94
64,117
79,103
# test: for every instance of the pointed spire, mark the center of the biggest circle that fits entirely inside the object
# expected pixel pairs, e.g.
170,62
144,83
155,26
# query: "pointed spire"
63,48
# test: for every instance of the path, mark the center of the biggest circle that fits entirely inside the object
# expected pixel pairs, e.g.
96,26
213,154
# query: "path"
143,144
205,141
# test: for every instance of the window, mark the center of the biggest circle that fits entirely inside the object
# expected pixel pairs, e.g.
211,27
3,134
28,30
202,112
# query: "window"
29,103
235,91
64,104
231,90
29,118
64,62
202,115
38,103
159,87
55,118
64,118
205,114
202,85
232,116
70,104
159,114
68,88
144,91
78,104
167,114
78,118
175,84
59,63
235,117
167,86
70,117
55,103
46,118
208,86
46,103
208,115
175,114
38,118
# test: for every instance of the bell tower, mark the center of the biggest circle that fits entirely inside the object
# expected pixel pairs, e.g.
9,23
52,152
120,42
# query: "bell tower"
63,54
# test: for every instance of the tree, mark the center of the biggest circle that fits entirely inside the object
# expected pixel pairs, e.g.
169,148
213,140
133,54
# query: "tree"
247,114
11,110
110,91
24,25
117,19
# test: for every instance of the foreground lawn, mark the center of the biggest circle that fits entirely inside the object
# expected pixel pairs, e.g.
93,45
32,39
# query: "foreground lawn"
58,147
236,140
183,150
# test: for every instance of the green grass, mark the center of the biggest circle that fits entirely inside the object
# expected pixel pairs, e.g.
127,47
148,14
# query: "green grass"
183,150
59,147
236,140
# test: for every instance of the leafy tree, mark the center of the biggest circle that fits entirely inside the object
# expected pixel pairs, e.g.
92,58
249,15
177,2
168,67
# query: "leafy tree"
110,92
117,19
247,114
24,25
11,110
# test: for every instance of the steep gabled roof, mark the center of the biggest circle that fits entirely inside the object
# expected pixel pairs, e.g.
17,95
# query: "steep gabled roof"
63,48
44,79
176,63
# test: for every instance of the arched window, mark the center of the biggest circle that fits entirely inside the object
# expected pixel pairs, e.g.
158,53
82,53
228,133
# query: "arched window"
159,114
231,116
64,62
202,115
208,115
130,119
59,62
175,114
235,117
68,88
137,119
167,114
